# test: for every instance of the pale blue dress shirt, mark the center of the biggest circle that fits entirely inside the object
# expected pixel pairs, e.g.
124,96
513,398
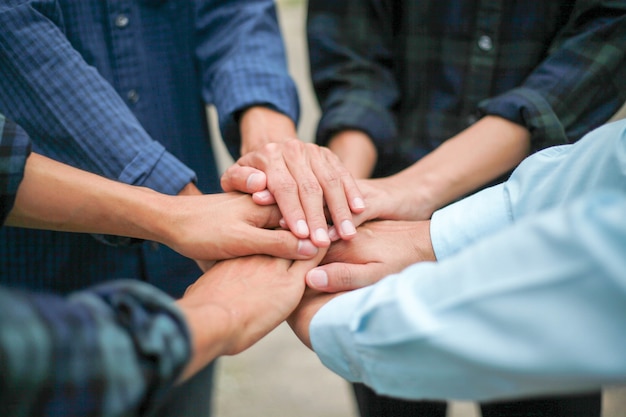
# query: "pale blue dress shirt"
528,295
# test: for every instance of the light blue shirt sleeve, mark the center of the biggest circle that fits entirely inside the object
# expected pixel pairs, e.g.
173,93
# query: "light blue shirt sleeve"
552,177
530,304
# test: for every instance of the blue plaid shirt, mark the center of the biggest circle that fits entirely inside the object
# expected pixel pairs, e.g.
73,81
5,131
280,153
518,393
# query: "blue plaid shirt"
106,351
119,88
414,73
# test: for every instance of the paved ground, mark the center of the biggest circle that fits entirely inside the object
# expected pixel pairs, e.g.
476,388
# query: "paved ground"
279,377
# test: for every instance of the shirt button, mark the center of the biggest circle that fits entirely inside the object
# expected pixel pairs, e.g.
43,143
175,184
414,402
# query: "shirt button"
121,21
471,119
485,43
132,96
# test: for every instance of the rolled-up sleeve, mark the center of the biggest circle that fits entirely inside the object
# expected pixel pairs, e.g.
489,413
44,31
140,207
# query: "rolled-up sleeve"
14,150
107,351
70,112
580,83
243,60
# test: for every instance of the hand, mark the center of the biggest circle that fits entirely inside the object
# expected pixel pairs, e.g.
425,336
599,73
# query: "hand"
223,226
239,301
380,248
301,178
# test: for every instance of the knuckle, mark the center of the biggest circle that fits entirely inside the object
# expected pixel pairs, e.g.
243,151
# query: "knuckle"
310,187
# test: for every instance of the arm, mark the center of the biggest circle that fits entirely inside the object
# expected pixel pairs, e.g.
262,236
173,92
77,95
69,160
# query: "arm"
118,346
55,196
42,193
115,347
63,103
551,178
528,311
245,74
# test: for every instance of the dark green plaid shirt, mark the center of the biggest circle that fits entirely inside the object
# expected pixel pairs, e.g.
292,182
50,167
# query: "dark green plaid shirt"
111,350
413,73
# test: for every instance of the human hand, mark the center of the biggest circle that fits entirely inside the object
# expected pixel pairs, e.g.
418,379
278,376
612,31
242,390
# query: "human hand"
301,178
223,226
380,248
239,301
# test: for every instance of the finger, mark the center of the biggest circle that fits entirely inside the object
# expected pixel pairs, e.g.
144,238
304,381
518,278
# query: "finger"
331,173
310,192
282,186
301,267
277,243
337,277
263,198
243,178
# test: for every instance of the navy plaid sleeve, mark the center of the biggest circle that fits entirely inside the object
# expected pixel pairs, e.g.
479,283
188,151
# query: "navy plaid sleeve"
350,51
579,85
107,351
93,129
14,149
243,62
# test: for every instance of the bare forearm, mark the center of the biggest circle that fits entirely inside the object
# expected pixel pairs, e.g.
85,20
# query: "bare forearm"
55,196
469,160
356,151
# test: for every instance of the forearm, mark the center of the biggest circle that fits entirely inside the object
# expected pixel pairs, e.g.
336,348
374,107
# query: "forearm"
56,196
356,151
493,314
546,179
125,343
473,158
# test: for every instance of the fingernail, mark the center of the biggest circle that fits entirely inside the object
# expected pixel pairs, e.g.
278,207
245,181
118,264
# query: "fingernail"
358,203
282,223
263,195
333,235
306,247
322,235
251,180
301,228
347,227
317,278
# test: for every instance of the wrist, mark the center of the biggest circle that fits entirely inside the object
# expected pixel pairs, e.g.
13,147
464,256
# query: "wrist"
356,151
422,243
260,126
210,331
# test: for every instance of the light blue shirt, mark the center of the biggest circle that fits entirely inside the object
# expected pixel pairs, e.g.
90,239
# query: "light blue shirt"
528,295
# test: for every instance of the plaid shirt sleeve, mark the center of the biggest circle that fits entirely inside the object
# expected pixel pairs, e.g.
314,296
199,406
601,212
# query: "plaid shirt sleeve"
95,129
579,85
14,149
106,351
352,75
243,62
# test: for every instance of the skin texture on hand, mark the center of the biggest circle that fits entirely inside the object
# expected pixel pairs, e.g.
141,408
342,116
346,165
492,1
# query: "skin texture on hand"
303,179
380,248
238,302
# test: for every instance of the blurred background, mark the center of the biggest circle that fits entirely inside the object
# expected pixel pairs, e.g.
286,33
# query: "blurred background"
279,377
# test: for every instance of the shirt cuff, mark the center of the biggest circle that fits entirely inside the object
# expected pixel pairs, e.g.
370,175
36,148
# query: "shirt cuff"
276,91
460,224
331,337
530,109
159,170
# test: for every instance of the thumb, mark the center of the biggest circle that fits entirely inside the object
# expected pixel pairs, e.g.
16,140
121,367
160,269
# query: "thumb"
336,277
